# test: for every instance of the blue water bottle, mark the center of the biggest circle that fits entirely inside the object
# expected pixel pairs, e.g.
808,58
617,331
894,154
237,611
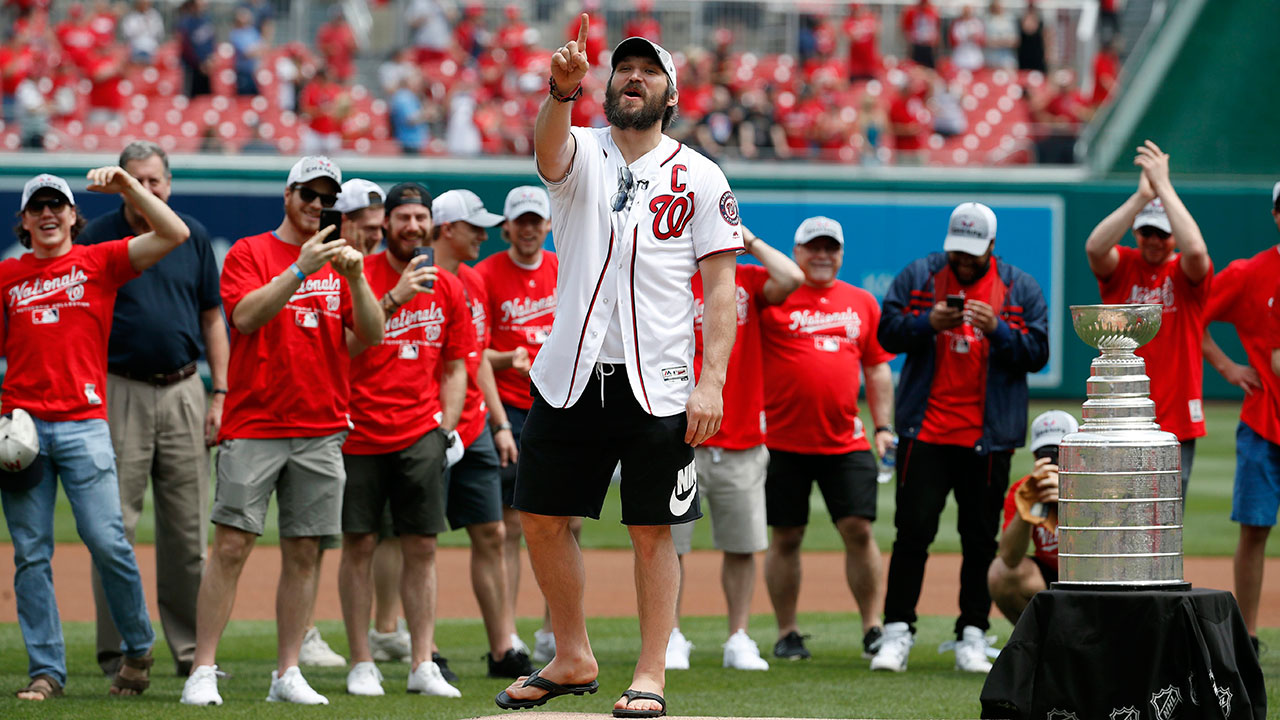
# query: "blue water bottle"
889,459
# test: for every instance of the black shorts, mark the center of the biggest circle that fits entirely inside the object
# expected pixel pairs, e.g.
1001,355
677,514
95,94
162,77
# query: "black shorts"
847,482
474,486
516,416
1050,574
411,479
567,457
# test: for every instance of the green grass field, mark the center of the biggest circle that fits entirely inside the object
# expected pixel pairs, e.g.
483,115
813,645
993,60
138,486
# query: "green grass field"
835,684
1208,529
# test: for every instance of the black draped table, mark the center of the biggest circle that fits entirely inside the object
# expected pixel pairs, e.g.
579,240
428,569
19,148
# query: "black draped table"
1127,655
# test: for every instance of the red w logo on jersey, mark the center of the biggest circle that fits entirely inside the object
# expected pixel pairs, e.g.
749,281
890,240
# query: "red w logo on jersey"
671,214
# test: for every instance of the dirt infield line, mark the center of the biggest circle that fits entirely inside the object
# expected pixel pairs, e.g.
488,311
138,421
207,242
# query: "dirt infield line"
610,589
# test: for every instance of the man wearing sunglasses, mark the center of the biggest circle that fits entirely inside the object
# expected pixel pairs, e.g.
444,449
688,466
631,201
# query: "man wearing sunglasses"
635,214
291,294
57,302
1169,267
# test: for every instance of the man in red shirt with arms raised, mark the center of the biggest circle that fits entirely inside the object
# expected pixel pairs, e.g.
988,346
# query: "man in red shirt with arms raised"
521,288
1031,516
817,341
1245,295
406,397
731,464
291,295
1155,273
475,485
57,302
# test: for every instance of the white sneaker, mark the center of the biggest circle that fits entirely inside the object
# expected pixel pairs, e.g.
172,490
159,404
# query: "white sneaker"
391,647
518,645
365,679
972,650
742,653
544,646
201,687
678,651
895,648
427,680
317,653
293,688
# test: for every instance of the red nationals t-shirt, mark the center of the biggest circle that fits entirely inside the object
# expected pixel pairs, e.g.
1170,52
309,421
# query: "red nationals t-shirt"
289,377
814,345
743,425
521,306
474,409
958,395
395,385
1175,362
1044,539
1243,295
57,314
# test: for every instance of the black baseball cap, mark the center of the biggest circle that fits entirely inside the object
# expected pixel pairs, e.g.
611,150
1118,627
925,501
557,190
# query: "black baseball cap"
407,193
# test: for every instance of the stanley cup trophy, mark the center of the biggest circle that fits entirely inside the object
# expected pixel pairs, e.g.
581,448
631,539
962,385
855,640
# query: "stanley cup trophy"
1120,497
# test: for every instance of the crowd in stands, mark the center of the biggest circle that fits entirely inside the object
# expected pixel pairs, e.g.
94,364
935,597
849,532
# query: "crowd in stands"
975,88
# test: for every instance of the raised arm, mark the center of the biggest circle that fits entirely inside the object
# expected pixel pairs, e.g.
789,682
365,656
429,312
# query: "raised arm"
1194,254
368,322
784,275
258,307
553,145
1101,245
167,229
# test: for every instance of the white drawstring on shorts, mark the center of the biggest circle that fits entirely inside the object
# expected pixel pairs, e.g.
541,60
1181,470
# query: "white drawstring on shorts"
601,375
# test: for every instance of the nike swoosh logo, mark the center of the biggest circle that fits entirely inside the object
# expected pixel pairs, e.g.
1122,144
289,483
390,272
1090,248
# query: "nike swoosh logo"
679,504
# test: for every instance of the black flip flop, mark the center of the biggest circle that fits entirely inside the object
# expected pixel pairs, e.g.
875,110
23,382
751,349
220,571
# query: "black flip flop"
554,689
632,695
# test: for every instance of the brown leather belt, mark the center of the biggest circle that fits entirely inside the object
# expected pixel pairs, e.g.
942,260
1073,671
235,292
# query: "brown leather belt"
158,379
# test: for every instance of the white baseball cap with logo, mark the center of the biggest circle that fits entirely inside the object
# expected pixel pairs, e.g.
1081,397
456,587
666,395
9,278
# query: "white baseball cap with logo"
358,194
42,181
312,167
1153,215
1050,427
527,199
462,205
971,229
643,47
816,227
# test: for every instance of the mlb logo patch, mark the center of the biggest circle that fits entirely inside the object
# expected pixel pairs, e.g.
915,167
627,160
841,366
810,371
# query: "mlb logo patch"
44,317
408,352
827,344
679,373
307,319
536,337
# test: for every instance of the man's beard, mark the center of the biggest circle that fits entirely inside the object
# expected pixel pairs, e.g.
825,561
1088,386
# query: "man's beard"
401,249
649,114
978,274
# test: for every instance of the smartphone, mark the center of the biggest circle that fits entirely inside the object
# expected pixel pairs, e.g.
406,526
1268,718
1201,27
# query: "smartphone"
334,218
955,302
430,254
1048,451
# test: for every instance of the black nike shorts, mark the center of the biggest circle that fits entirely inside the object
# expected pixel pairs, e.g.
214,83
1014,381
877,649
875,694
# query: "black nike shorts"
567,457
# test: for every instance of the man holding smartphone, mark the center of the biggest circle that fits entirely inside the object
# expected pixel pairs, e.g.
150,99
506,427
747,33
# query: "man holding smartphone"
1031,515
961,409
406,398
291,295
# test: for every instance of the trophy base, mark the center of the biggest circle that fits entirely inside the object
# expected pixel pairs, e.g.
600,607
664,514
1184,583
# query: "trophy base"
1180,586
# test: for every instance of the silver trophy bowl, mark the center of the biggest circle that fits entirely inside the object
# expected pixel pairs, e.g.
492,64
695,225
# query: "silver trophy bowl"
1120,499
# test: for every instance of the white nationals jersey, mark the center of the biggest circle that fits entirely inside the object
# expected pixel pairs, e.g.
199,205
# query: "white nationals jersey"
636,263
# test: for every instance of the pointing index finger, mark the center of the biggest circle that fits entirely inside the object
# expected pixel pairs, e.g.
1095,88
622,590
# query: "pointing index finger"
582,33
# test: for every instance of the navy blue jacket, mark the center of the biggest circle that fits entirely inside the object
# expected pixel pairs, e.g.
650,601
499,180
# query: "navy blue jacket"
1019,345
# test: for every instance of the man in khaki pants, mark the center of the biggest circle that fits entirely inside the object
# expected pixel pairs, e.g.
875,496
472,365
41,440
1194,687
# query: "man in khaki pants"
161,424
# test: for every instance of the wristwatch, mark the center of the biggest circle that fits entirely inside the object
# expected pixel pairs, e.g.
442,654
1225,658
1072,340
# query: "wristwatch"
502,426
884,428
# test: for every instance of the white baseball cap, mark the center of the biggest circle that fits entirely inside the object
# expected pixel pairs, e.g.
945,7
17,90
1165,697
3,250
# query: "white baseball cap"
312,167
1275,193
1050,427
463,205
1153,215
643,47
20,460
816,227
527,199
971,229
45,180
358,194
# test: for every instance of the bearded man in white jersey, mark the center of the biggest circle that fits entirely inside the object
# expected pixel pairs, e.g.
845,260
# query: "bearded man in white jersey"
635,214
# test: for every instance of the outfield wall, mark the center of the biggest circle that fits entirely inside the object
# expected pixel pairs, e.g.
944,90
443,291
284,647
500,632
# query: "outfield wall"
889,220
